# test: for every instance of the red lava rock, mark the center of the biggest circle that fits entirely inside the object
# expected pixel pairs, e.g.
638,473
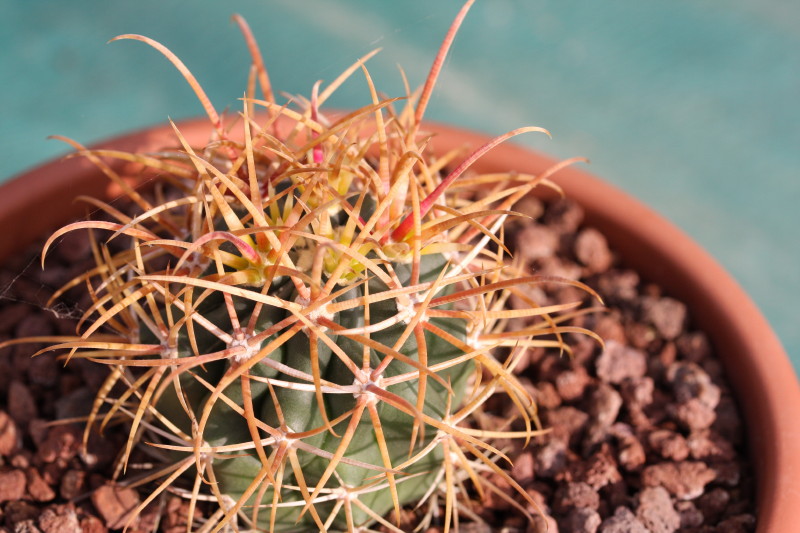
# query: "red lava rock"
666,314
44,371
640,335
631,455
669,444
92,524
535,242
689,381
26,526
591,249
9,436
604,404
564,215
115,503
11,315
38,489
551,459
580,520
709,445
73,483
575,494
12,485
553,266
21,405
728,423
694,346
618,286
728,473
743,523
712,504
21,459
493,500
693,415
19,511
599,470
618,362
34,324
637,392
546,395
567,423
523,469
622,521
685,480
571,384
542,524
655,511
73,247
59,519
690,515
609,327
62,442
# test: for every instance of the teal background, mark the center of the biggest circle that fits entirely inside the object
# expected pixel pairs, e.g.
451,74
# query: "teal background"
692,106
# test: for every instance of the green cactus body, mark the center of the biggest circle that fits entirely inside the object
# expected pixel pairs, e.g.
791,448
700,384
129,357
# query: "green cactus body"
301,412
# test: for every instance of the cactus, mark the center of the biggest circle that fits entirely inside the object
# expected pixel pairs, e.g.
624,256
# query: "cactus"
311,313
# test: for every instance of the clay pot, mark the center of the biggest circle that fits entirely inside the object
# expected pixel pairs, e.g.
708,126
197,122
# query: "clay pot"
756,364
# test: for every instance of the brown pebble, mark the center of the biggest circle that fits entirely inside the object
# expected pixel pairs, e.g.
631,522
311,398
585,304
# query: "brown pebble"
12,485
115,503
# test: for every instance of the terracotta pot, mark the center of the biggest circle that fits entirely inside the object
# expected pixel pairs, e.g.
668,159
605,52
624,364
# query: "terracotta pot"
756,364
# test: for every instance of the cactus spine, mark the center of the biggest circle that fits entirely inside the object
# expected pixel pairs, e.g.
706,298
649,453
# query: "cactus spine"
306,322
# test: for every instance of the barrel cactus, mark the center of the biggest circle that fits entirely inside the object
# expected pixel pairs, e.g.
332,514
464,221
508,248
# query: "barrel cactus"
312,311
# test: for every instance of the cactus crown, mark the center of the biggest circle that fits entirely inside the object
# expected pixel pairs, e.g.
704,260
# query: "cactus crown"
311,312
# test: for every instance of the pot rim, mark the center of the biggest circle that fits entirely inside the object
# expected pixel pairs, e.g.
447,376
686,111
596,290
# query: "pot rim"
759,369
